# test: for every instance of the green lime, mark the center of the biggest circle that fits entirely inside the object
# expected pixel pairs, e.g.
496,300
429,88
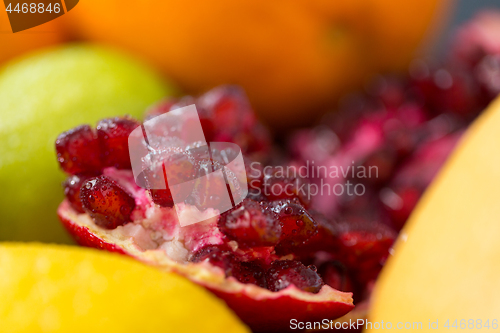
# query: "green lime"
40,97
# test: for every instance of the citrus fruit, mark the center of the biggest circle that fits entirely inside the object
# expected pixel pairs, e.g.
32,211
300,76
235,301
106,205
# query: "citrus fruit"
16,44
42,95
290,57
443,268
50,288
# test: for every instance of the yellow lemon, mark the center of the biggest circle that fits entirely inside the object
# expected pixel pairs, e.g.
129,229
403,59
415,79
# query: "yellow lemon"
445,269
51,288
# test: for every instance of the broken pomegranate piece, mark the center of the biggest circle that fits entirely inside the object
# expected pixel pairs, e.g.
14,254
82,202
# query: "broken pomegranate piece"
245,254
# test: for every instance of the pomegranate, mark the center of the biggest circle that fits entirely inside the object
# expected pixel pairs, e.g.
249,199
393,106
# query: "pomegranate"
244,255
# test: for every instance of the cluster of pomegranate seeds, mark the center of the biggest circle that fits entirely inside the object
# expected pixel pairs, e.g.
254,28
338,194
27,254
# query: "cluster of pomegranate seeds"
264,230
402,127
285,224
106,202
408,183
85,150
232,265
275,276
226,116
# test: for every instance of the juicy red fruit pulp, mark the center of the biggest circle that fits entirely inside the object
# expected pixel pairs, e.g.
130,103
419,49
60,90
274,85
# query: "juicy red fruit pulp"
106,202
271,239
256,233
86,150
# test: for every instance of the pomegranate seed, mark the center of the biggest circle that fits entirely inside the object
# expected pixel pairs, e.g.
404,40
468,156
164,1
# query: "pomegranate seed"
297,225
160,108
228,107
324,240
78,150
106,202
72,187
162,197
250,272
209,190
251,224
178,169
446,91
283,273
364,246
336,276
113,136
277,188
217,255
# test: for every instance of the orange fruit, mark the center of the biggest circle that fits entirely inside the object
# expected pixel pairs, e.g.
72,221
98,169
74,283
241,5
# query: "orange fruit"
292,57
15,44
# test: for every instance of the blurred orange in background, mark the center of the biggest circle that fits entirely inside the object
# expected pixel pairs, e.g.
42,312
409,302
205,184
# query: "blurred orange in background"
13,45
292,57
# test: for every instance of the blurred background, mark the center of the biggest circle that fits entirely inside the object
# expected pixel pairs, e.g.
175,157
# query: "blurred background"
464,11
296,61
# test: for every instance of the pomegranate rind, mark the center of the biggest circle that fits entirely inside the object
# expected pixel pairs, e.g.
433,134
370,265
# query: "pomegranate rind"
260,308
